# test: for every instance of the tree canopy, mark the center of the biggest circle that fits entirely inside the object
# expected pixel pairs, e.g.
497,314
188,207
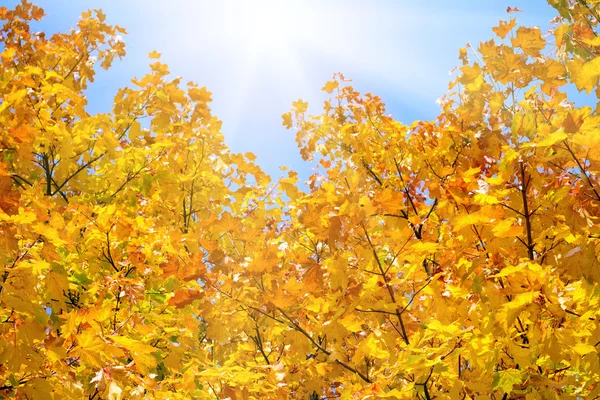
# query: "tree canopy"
456,258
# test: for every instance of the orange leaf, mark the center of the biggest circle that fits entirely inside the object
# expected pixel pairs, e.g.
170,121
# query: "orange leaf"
184,297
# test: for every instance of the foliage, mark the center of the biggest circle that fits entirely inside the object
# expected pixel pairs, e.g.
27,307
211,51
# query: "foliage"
454,258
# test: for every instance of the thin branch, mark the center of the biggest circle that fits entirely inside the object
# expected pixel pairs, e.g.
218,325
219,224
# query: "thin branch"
582,169
375,311
424,384
373,174
387,285
512,209
530,244
415,295
81,168
321,348
15,177
259,343
132,176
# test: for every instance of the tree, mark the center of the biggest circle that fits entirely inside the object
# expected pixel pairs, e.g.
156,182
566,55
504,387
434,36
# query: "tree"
107,220
454,258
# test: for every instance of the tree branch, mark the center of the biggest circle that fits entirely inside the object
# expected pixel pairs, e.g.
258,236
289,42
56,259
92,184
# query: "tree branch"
582,169
321,348
387,285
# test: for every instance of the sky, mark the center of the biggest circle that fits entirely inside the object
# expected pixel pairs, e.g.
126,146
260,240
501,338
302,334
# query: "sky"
257,56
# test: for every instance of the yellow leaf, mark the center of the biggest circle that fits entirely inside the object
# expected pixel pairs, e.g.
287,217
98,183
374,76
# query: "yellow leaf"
300,106
465,220
348,129
339,273
559,33
552,139
504,27
507,271
8,54
39,389
595,41
424,247
372,347
56,284
287,120
529,40
583,348
505,228
154,54
573,122
483,199
393,394
496,102
511,310
161,122
91,348
469,175
200,94
506,379
437,326
293,286
23,217
471,76
390,200
591,139
587,77
141,352
31,332
302,346
174,359
351,322
280,299
49,233
38,267
330,86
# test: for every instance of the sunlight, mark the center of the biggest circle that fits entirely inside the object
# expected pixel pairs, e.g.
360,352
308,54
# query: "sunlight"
267,25
265,29
266,35
271,35
264,54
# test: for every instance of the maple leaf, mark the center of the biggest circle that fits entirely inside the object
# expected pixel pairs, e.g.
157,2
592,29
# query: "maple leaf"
9,198
504,27
184,297
287,120
529,40
37,13
91,348
505,380
200,94
330,86
552,139
586,77
300,106
142,353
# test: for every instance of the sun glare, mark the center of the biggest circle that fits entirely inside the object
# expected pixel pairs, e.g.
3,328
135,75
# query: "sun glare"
268,25
266,37
266,28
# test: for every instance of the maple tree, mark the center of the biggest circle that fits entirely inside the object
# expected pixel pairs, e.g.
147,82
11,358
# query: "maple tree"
455,258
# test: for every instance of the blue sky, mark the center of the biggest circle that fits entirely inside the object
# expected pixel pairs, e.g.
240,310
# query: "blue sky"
258,56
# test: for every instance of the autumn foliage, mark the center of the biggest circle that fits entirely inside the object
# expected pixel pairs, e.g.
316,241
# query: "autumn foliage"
456,258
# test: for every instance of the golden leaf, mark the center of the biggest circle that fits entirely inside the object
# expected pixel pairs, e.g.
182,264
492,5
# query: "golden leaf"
504,27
